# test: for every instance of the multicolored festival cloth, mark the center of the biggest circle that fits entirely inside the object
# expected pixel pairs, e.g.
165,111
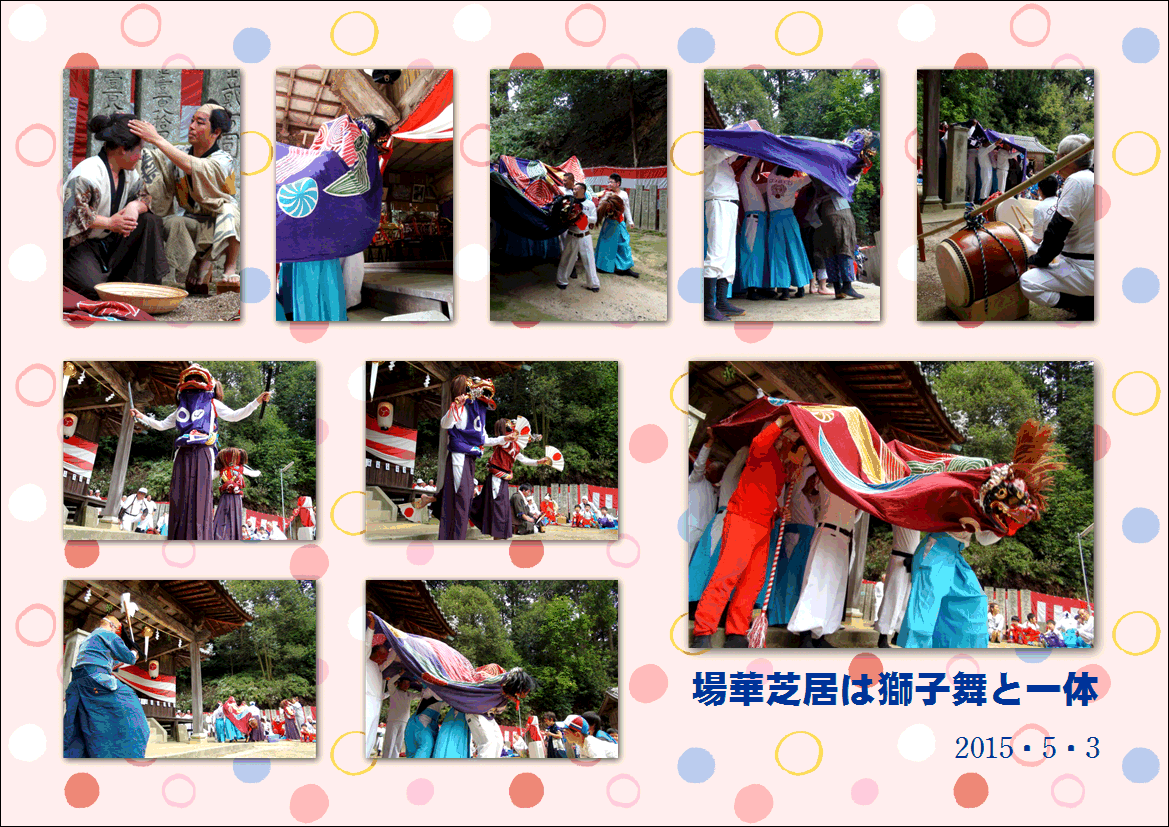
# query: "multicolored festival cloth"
980,134
521,192
442,670
329,196
838,164
895,482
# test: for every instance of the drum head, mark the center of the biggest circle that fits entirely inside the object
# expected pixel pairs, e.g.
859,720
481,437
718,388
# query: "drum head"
954,274
1018,214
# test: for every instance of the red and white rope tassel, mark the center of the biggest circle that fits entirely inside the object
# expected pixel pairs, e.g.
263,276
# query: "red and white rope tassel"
757,636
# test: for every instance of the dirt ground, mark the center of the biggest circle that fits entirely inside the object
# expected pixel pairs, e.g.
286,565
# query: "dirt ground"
221,308
815,307
931,298
532,294
428,531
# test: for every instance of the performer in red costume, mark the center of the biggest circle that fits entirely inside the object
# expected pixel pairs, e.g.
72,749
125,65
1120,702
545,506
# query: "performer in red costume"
746,533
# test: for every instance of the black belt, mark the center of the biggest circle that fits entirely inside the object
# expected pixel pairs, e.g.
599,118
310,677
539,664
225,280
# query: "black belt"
838,529
908,555
1080,256
578,235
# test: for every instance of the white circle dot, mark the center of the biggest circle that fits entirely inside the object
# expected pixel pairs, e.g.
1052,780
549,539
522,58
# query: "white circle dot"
27,742
27,502
27,262
916,743
357,623
472,262
907,264
357,385
916,22
472,22
27,23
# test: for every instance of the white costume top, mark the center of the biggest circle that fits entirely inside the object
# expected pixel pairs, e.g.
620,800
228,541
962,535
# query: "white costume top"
399,710
136,507
702,499
837,510
1002,159
1087,629
782,192
590,210
86,194
718,176
1077,203
222,411
802,512
596,748
750,194
994,623
1042,217
374,682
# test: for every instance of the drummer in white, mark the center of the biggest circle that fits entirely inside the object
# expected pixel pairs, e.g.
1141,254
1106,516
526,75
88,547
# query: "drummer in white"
821,605
1069,283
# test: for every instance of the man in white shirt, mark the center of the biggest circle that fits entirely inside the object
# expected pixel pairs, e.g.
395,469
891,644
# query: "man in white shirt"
377,658
134,508
1086,628
721,195
994,623
396,717
702,496
577,250
1049,189
1069,283
576,732
821,605
897,585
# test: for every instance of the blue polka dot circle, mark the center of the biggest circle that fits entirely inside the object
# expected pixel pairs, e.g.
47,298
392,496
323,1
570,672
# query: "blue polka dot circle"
690,285
251,770
684,526
251,45
256,285
1140,765
1032,655
696,765
1140,285
1140,525
1140,45
696,45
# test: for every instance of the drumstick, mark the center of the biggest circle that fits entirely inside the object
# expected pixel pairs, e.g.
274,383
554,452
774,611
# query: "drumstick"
1046,172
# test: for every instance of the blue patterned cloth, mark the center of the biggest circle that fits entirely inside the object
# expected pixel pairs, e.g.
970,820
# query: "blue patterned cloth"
103,716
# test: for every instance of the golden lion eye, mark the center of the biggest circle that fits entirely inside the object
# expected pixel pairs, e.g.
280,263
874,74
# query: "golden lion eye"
1000,494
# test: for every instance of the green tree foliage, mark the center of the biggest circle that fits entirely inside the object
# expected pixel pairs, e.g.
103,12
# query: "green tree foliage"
606,117
562,632
287,432
989,401
572,405
815,103
271,658
1048,104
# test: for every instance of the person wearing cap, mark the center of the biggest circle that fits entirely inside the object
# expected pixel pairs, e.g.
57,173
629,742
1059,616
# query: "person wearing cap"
194,191
577,733
103,717
1063,271
133,509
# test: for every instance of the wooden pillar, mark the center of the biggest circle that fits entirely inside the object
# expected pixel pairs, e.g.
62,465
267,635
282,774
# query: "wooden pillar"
931,107
440,474
196,691
121,464
860,544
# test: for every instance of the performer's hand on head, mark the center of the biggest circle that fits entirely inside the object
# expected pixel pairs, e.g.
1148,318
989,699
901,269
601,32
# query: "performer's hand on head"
145,130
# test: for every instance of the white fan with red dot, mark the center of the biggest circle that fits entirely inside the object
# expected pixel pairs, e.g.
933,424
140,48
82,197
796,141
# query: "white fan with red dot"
556,457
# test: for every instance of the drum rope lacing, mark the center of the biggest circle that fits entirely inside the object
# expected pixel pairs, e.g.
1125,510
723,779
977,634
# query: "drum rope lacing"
975,225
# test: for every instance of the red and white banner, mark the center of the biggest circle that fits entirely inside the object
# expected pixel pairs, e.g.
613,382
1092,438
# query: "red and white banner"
631,177
395,446
160,689
78,456
433,120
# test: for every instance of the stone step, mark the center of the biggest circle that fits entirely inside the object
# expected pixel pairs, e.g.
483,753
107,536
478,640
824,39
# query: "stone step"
778,637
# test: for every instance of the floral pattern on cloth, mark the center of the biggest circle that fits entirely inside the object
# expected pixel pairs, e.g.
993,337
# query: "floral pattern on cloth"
86,194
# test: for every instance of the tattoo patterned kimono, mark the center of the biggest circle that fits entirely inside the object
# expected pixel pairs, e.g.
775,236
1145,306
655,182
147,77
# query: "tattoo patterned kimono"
210,215
94,256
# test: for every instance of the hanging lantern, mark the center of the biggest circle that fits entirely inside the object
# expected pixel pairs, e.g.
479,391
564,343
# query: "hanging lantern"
152,670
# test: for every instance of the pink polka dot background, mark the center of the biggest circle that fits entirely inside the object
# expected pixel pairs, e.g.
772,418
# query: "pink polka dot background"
862,766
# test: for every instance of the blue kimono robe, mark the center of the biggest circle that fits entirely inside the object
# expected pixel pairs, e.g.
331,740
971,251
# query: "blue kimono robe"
421,732
947,609
103,716
454,737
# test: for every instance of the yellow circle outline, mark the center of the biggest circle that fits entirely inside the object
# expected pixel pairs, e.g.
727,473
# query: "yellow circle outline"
271,151
1156,397
333,749
1156,637
819,758
674,163
337,22
676,381
333,518
819,39
674,626
1156,158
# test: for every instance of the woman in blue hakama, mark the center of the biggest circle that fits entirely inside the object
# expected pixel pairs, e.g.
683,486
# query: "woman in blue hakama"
705,556
614,254
313,291
785,248
454,737
103,716
752,272
947,609
421,733
789,573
